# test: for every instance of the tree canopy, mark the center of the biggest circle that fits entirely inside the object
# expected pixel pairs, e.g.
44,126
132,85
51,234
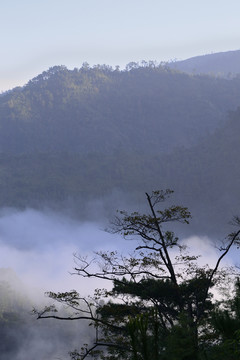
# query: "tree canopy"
100,109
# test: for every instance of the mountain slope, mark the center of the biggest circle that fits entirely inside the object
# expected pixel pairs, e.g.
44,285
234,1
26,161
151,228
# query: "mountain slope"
149,109
223,64
205,178
73,137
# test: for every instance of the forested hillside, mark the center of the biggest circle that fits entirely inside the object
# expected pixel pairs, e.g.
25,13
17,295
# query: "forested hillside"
70,137
145,108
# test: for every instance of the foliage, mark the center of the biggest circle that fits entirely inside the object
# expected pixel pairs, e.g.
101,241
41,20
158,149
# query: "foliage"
161,304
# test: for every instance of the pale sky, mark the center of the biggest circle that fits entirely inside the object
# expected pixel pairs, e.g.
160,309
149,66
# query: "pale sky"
36,35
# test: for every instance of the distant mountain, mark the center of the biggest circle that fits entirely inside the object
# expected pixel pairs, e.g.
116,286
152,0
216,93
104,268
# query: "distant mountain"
223,64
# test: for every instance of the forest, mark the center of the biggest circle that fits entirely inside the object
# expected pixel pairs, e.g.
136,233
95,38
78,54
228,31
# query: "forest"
73,136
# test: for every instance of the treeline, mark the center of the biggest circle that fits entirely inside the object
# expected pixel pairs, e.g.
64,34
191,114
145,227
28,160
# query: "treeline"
145,108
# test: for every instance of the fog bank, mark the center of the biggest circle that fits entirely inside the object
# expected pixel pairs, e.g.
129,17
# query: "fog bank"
39,246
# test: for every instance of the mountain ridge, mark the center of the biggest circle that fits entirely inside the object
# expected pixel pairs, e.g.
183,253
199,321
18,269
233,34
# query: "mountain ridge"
84,110
222,64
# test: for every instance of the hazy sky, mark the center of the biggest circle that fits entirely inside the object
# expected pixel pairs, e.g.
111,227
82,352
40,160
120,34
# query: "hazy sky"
38,34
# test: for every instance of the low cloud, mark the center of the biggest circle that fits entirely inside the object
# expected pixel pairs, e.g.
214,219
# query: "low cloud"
209,251
39,247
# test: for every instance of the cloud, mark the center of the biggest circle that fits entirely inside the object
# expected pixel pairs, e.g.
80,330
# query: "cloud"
208,251
39,246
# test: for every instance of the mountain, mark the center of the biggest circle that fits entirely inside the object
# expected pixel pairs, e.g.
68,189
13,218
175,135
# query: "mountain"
222,64
205,178
90,135
145,109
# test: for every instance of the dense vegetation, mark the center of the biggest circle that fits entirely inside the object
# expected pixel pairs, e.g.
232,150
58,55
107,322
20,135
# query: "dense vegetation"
206,176
150,109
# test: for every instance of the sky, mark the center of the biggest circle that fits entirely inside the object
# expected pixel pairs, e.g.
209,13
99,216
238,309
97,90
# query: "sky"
36,35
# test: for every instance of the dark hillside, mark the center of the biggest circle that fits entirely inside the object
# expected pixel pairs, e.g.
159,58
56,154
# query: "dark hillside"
205,178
